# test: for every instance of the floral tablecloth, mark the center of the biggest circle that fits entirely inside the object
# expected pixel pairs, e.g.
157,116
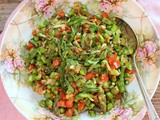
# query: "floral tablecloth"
9,112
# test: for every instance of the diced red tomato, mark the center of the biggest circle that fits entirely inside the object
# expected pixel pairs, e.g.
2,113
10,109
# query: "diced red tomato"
30,46
69,103
104,14
57,34
74,85
34,33
62,95
95,98
31,66
81,105
89,75
112,58
104,78
43,73
47,31
113,62
129,71
61,103
60,13
118,96
56,63
68,29
69,112
116,64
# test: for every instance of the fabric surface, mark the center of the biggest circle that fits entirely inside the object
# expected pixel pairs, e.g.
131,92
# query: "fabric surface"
9,112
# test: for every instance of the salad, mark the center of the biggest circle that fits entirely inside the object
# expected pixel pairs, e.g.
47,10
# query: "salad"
79,62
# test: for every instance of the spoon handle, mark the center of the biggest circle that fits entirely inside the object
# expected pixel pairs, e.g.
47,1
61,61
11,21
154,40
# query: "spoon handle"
151,110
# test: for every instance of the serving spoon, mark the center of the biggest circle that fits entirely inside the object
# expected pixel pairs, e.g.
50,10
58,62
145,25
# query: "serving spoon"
133,43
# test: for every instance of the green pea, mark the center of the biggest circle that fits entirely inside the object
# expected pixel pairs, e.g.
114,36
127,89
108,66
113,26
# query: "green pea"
49,86
62,110
91,106
49,103
115,90
92,113
109,95
127,82
47,95
110,106
42,103
36,38
106,85
127,75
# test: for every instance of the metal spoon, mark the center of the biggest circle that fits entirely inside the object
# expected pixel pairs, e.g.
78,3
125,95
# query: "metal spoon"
133,42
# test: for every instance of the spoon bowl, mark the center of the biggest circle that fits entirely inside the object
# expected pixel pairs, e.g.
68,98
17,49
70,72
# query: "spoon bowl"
132,42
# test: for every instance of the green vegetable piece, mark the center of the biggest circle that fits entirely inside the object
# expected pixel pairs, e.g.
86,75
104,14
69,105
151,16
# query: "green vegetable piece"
128,65
110,106
32,53
70,89
92,113
114,72
83,71
127,82
115,90
127,75
106,85
62,110
109,95
102,99
42,103
122,89
43,59
84,95
49,86
101,39
49,103
91,106
47,95
52,75
83,40
42,50
87,64
37,78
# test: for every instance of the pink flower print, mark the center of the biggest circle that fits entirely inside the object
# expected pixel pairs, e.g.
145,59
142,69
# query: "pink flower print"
147,65
141,53
118,110
40,5
150,47
105,6
118,9
19,63
8,65
48,12
127,113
